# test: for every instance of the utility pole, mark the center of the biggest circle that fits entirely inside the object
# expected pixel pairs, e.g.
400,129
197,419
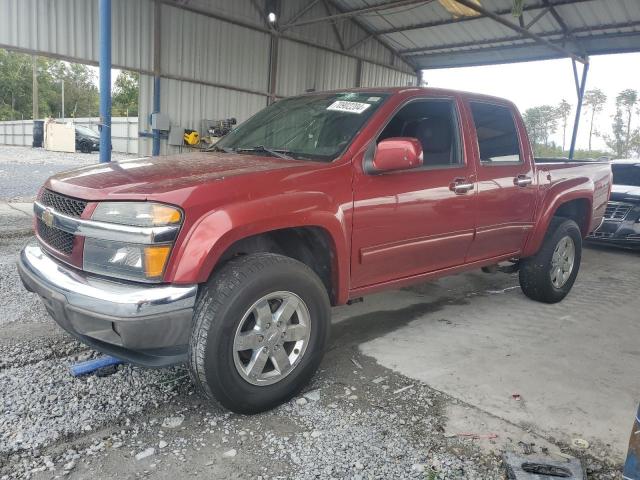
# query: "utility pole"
34,95
62,82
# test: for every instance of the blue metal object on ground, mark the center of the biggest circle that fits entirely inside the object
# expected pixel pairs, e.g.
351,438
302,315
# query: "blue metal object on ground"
89,366
632,465
105,80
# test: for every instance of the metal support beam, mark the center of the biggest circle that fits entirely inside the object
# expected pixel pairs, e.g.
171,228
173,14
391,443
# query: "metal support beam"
273,69
34,89
535,19
157,21
105,80
449,21
393,51
515,38
359,11
299,14
359,74
576,123
358,42
524,32
562,24
334,26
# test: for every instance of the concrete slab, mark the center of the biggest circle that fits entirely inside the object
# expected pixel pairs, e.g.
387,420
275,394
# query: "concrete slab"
573,365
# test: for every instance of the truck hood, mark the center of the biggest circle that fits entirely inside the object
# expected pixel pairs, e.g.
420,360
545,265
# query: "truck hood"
153,176
625,192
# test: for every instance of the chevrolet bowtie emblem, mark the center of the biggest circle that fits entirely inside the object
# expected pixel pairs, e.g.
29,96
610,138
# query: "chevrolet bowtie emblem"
47,217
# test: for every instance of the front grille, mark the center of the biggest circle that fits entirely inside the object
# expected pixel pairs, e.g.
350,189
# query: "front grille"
56,239
617,210
63,204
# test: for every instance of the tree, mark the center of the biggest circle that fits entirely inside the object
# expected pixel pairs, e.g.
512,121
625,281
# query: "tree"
81,92
617,141
564,110
541,123
594,100
626,101
125,94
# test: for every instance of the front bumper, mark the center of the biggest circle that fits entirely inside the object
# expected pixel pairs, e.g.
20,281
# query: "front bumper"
622,233
147,325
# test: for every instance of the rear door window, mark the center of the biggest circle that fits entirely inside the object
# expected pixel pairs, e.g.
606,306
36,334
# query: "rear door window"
498,140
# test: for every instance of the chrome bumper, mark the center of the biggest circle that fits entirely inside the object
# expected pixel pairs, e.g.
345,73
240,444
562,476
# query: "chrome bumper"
147,325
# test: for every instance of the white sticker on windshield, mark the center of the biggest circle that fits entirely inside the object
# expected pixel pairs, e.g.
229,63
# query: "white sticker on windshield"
349,107
373,99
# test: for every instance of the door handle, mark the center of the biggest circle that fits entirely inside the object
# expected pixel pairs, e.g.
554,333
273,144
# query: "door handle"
460,186
522,181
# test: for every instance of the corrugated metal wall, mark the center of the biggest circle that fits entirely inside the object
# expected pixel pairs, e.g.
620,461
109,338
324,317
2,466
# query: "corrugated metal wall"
124,132
69,28
211,68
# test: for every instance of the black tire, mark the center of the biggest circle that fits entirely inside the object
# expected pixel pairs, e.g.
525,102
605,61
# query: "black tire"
85,147
221,305
535,272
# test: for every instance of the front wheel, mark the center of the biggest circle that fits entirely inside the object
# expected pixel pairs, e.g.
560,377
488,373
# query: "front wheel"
260,329
549,275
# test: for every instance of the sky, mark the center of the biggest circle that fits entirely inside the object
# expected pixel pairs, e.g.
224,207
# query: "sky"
547,82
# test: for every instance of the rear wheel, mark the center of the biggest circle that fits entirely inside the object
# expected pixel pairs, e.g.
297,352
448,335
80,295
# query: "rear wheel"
549,275
261,327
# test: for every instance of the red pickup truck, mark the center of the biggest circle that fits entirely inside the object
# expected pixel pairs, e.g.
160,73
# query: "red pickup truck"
229,260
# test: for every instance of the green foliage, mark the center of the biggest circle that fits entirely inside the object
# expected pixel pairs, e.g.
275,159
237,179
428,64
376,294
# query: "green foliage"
80,91
541,123
594,101
564,110
125,94
557,151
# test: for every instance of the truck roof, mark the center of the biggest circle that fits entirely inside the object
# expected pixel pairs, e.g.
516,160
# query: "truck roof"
419,90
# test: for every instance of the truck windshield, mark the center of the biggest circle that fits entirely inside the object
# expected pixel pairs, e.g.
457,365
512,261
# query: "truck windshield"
313,127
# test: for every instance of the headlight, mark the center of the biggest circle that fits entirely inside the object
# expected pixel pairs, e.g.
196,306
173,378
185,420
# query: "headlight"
139,214
144,262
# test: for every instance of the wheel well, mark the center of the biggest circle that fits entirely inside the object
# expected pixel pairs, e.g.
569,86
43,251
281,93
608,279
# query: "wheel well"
577,210
309,245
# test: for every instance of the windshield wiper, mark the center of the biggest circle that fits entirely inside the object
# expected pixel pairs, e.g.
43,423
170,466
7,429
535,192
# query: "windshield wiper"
280,153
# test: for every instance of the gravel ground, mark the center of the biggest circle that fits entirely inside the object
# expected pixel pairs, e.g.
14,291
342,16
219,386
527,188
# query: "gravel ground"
357,420
23,170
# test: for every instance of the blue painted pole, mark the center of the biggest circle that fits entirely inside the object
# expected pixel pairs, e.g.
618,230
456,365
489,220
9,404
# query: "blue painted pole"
105,80
156,109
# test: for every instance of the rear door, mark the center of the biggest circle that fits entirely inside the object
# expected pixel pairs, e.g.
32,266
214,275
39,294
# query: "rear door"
505,181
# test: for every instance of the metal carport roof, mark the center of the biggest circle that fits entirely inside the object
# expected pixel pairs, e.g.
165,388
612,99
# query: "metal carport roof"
428,35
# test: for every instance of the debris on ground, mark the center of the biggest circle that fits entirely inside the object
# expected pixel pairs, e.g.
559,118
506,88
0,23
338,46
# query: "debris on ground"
580,443
530,468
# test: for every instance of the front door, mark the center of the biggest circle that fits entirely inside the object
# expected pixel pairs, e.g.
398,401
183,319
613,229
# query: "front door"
410,222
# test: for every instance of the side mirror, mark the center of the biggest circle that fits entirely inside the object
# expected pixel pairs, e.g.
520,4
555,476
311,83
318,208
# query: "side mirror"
397,153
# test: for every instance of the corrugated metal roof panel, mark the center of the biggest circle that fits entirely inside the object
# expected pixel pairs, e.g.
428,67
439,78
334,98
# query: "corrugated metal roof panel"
481,39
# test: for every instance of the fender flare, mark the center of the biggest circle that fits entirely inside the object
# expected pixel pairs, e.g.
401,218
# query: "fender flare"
581,188
211,235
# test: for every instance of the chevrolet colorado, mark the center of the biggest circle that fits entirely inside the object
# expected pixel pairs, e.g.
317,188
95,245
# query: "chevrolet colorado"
230,260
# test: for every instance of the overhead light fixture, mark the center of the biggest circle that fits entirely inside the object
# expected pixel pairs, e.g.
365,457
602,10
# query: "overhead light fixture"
271,17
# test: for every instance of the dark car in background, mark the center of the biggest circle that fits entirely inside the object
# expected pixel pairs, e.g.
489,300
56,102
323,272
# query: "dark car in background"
621,224
87,139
